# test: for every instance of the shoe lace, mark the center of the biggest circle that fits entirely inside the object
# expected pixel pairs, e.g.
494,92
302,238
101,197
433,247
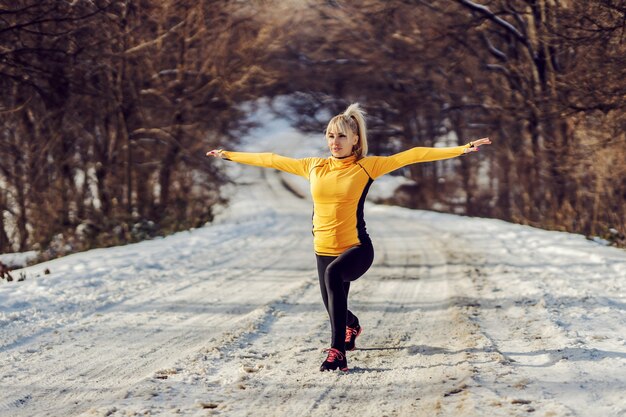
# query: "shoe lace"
350,331
333,355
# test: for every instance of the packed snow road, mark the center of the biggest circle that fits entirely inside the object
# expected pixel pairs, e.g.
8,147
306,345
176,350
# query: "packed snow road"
461,317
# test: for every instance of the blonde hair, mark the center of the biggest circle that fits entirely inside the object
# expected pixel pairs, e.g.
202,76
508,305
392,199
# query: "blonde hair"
353,120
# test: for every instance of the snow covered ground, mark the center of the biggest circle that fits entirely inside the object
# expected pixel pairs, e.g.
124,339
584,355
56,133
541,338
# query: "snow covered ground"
461,317
18,259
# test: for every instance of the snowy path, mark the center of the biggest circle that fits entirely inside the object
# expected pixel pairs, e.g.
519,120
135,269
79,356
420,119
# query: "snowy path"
462,317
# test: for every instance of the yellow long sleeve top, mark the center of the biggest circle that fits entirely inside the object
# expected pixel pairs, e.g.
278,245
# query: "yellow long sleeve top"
339,187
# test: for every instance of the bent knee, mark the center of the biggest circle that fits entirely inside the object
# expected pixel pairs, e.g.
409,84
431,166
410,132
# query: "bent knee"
333,274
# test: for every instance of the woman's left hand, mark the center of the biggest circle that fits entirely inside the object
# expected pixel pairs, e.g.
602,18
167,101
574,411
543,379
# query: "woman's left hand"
476,144
216,153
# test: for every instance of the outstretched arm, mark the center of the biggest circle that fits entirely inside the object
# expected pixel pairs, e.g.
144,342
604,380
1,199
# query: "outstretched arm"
381,165
474,145
266,160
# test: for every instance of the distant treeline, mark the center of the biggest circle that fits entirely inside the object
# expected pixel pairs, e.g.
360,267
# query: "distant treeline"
107,107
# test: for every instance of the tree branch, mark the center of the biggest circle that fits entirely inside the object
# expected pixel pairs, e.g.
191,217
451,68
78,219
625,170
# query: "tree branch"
55,20
485,11
16,109
494,51
158,39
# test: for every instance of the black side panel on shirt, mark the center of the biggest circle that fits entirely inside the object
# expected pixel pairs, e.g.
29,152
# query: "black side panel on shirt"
360,219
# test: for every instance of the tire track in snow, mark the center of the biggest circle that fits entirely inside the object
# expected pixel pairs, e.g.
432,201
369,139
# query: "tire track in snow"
82,342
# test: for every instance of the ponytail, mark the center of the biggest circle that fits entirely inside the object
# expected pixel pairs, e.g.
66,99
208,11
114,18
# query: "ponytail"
357,114
353,119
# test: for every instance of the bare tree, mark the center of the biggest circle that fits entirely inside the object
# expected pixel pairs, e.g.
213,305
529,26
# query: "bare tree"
112,106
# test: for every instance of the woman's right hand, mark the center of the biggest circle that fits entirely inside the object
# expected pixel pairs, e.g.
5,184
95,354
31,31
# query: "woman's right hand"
216,153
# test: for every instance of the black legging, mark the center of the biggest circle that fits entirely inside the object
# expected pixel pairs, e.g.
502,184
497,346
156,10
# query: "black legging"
335,274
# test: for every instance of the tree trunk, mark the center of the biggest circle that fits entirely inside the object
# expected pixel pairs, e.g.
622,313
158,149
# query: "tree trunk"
5,244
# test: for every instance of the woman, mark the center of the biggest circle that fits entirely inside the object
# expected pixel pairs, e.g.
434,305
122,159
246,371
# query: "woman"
339,185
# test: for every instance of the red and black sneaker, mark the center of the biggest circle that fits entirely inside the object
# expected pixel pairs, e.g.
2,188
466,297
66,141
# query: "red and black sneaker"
351,334
335,360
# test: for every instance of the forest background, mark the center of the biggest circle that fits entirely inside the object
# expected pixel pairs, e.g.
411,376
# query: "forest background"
107,107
